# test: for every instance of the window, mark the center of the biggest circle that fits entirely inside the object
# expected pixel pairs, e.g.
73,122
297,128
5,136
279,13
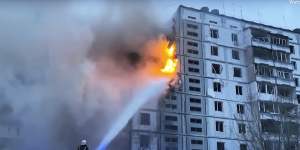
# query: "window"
234,38
294,64
170,118
199,142
235,54
171,106
261,87
171,139
242,128
195,100
192,26
214,22
171,96
195,70
219,126
144,141
145,119
296,81
193,108
220,146
243,146
192,17
214,33
192,33
192,80
216,68
171,127
194,120
238,90
195,44
191,51
194,129
298,99
196,89
193,62
218,106
214,50
292,50
217,86
237,72
240,108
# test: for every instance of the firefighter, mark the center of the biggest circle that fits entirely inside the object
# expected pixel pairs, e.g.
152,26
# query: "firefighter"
83,145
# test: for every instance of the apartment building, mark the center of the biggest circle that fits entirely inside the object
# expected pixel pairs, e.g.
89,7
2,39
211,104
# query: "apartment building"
239,88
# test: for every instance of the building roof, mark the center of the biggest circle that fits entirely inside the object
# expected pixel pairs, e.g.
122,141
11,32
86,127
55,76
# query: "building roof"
297,30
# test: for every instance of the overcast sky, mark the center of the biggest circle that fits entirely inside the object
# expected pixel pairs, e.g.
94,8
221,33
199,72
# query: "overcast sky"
278,13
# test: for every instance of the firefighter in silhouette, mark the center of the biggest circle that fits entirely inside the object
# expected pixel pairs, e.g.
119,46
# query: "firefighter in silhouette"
83,145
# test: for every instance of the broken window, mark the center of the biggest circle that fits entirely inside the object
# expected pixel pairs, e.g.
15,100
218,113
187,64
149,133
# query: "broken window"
216,68
214,50
237,72
263,70
214,33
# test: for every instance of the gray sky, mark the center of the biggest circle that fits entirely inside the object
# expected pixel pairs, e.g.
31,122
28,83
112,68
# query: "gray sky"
278,13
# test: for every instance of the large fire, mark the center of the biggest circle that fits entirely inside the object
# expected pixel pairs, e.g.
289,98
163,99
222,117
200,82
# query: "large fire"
171,61
162,56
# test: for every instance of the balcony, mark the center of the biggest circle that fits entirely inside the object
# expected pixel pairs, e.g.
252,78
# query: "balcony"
261,42
284,81
286,65
261,78
280,42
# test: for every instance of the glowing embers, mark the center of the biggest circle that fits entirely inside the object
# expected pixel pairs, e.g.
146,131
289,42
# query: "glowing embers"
171,60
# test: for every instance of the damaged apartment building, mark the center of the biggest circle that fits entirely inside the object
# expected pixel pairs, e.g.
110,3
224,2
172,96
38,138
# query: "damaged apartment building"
239,88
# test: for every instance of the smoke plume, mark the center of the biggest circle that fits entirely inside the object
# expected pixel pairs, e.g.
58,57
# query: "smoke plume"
68,68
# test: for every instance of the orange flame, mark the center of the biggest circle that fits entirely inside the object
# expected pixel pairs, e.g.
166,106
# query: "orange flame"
171,62
162,58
